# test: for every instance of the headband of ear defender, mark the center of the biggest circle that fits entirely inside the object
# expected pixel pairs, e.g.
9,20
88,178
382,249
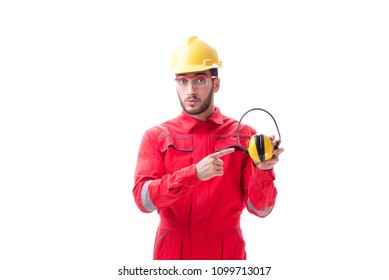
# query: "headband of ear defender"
260,147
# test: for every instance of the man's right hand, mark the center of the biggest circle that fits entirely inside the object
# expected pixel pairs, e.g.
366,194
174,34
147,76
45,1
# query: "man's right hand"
212,165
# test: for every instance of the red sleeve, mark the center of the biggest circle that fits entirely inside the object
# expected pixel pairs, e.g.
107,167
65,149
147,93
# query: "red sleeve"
260,191
153,188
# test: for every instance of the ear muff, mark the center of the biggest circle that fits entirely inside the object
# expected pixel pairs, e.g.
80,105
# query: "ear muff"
260,148
253,148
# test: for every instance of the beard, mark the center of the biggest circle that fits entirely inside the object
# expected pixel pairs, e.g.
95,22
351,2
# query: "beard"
204,105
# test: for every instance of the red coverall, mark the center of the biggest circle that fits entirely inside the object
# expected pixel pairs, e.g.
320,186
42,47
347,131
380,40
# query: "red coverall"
199,219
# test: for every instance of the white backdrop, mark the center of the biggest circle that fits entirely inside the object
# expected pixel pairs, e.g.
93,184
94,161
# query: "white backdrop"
81,81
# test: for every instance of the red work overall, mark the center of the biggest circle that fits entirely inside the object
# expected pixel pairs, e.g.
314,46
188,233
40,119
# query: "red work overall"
199,219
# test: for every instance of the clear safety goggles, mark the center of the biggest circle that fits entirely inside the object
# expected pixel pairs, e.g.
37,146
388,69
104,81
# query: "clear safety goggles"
198,81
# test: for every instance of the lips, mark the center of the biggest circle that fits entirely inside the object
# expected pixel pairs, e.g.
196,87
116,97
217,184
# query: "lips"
192,100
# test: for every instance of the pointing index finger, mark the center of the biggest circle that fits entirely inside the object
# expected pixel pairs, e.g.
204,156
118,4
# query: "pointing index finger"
223,152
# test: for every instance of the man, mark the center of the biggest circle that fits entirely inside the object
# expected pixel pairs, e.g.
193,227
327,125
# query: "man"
192,171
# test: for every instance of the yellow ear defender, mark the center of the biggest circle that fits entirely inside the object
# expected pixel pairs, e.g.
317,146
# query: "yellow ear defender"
260,147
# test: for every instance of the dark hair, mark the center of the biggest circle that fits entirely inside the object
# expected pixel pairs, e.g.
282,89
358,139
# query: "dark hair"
214,72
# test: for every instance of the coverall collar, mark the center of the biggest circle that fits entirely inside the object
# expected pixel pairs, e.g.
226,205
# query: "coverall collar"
188,122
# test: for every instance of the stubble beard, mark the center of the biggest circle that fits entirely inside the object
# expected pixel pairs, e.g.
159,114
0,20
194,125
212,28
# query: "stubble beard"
204,106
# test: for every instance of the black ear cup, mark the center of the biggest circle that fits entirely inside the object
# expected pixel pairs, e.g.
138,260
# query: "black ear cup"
260,144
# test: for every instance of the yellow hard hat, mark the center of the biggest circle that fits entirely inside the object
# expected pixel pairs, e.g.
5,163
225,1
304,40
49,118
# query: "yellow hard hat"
194,55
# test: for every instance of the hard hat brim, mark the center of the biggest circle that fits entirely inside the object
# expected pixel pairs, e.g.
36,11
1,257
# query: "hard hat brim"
194,68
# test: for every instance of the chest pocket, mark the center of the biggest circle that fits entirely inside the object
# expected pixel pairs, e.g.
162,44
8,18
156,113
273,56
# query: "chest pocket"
233,162
229,141
177,151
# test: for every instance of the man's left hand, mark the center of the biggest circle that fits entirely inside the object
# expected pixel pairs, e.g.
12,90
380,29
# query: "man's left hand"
269,164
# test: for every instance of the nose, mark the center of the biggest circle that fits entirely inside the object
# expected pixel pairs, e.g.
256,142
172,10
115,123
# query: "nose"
190,89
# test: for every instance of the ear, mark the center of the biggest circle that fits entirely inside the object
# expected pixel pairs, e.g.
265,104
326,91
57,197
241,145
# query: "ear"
216,85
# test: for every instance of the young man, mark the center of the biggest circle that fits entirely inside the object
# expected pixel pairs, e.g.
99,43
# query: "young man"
192,171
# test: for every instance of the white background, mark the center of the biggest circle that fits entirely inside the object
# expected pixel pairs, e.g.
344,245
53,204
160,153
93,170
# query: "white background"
80,81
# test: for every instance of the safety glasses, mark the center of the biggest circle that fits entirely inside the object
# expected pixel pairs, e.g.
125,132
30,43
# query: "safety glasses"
198,81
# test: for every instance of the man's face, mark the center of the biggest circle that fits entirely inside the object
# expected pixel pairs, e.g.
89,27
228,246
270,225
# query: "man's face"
196,91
